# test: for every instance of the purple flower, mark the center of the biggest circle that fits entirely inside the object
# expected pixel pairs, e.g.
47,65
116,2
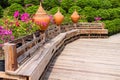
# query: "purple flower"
97,18
5,32
25,17
16,14
1,27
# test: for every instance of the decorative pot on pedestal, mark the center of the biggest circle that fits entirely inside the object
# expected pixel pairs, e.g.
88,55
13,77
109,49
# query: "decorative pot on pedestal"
58,18
75,18
42,20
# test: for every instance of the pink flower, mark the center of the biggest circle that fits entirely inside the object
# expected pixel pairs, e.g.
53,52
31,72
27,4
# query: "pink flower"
97,18
1,27
16,14
25,17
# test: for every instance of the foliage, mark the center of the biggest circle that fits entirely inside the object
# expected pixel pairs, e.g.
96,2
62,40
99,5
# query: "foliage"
66,4
103,13
94,3
115,3
82,3
24,29
32,9
89,12
113,26
15,1
1,11
48,4
105,4
73,8
15,7
35,2
67,19
114,13
20,25
54,10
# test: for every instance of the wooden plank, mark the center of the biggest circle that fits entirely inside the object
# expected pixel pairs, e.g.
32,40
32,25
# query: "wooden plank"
64,74
10,57
93,59
10,77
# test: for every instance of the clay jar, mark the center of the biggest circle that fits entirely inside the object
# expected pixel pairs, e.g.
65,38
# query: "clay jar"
75,17
41,18
58,18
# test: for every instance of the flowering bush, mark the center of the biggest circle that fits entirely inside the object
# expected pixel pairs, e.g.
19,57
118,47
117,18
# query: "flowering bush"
5,35
17,26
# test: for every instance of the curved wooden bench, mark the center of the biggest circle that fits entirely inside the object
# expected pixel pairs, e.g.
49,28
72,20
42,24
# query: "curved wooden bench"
27,58
33,68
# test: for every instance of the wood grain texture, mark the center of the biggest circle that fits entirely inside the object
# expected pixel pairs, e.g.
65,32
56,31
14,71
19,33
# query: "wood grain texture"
10,57
11,77
87,59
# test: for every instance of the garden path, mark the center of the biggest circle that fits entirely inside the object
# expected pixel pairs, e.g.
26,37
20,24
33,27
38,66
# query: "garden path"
87,59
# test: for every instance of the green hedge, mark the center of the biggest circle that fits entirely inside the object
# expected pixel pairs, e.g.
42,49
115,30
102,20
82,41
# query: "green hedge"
15,7
113,26
35,2
73,8
66,4
15,1
48,4
54,10
31,10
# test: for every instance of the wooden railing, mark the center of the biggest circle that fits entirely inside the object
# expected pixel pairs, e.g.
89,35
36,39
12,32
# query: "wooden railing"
19,53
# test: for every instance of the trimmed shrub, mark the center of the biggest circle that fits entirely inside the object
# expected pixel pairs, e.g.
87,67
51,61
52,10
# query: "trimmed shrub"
103,13
15,1
66,4
48,4
89,13
94,3
35,2
82,3
54,10
15,7
31,10
73,8
115,3
67,19
114,13
105,4
113,26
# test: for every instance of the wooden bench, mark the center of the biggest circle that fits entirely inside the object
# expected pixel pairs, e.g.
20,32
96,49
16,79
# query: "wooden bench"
28,61
27,58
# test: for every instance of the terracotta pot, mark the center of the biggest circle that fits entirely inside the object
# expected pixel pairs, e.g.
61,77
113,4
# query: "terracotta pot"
75,17
58,18
41,18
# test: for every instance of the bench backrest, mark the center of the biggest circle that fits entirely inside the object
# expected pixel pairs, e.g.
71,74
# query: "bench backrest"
20,50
